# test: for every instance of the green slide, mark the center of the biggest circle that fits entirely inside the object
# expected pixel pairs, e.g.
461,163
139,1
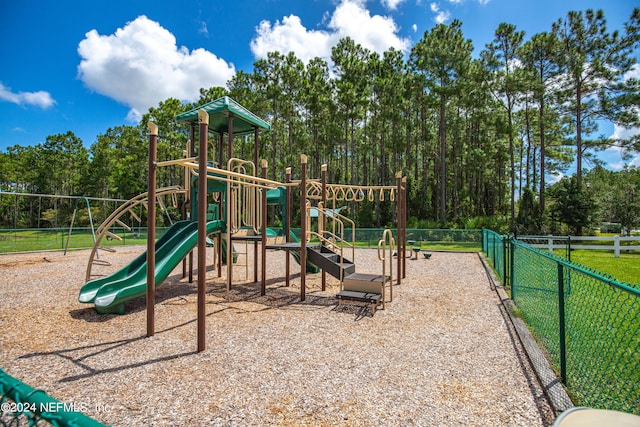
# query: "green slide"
89,289
112,295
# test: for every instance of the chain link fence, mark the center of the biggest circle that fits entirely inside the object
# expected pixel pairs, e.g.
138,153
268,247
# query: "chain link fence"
426,239
587,322
59,239
23,405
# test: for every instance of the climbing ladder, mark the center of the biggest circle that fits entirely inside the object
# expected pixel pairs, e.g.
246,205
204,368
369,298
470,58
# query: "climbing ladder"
116,219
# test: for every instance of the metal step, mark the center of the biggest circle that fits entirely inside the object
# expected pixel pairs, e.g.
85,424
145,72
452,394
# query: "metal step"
370,298
329,261
367,283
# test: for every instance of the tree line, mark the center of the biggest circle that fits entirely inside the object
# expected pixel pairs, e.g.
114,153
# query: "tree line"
477,137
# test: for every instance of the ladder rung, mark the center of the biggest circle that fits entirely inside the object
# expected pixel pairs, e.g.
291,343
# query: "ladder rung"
133,214
113,236
101,262
123,225
106,248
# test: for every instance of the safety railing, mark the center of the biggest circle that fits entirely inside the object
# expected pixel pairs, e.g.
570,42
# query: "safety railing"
386,255
333,239
245,199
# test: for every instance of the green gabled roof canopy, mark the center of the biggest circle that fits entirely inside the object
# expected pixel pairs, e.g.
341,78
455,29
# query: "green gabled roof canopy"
244,121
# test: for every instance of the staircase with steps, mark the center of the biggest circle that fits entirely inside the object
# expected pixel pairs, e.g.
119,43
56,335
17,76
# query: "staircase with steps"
329,261
368,288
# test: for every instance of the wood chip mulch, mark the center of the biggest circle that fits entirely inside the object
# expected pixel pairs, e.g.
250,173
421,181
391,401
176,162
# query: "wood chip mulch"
443,353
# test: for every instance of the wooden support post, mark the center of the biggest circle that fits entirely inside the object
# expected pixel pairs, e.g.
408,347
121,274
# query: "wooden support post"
230,206
230,138
399,233
404,226
287,227
256,132
324,218
187,198
151,230
220,212
263,221
303,226
192,209
203,121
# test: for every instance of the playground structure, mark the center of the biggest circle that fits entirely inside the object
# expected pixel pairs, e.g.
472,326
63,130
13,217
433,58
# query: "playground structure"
241,197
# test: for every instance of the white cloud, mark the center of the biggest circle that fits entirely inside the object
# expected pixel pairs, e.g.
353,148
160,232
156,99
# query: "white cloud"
203,29
616,158
634,72
140,65
391,4
626,158
442,16
414,27
40,99
350,19
621,132
554,178
482,2
290,36
377,33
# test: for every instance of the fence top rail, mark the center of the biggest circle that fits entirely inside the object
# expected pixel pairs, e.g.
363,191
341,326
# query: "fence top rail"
448,230
580,268
57,196
579,238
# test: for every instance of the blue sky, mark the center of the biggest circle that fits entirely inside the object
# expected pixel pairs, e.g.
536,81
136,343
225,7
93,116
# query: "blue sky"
87,66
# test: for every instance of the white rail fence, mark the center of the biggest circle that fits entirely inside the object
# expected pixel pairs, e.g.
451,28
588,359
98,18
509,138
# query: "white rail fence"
616,244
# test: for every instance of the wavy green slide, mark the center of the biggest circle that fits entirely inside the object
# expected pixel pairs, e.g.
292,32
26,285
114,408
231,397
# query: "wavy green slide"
89,290
110,293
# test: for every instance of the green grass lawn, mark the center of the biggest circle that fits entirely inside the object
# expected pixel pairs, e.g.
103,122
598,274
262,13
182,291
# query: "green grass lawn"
626,268
56,239
435,246
602,330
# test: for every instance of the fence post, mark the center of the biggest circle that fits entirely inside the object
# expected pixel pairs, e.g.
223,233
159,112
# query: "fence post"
511,278
561,321
616,246
495,255
505,277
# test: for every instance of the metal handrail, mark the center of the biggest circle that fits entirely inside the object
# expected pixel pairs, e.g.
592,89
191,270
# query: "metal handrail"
382,243
339,220
331,239
244,195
